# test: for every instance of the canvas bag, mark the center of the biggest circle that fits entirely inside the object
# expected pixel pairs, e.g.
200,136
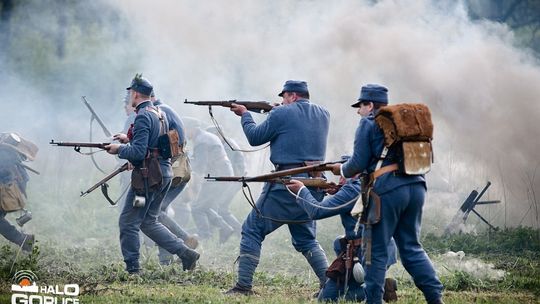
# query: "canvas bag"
11,197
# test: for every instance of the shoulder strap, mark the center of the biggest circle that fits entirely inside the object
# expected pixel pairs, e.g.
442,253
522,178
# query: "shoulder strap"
157,112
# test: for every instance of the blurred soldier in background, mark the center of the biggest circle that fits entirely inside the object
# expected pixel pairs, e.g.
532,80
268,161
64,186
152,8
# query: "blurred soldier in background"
13,179
348,246
175,123
238,162
209,157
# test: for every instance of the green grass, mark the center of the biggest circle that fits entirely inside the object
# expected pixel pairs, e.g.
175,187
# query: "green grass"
283,276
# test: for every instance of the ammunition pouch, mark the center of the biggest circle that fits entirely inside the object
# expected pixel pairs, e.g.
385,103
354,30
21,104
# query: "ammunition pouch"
168,144
148,173
11,197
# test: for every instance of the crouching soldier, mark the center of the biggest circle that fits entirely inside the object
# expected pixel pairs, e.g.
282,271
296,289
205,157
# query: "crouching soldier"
345,275
13,179
150,181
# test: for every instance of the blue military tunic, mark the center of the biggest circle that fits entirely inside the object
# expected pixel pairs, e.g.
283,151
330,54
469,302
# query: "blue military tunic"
297,132
402,198
146,130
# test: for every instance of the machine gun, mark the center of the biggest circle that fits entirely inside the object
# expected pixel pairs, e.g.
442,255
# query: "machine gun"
254,106
467,207
78,145
103,183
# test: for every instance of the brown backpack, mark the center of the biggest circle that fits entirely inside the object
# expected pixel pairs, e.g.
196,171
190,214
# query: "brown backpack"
408,128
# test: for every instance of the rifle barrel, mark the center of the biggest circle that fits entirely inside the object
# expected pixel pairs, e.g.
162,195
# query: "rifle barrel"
294,171
96,117
123,168
258,106
30,169
78,144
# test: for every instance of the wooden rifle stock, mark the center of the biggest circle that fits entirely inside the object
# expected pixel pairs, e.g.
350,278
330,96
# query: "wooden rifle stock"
254,106
123,168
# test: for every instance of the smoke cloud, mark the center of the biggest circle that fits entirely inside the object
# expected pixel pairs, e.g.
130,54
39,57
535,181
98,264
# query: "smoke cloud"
482,89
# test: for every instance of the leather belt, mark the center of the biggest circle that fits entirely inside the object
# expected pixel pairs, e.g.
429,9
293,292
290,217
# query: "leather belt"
383,170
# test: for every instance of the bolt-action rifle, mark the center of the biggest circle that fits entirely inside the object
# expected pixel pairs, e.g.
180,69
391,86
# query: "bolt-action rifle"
284,176
254,106
78,145
103,183
308,182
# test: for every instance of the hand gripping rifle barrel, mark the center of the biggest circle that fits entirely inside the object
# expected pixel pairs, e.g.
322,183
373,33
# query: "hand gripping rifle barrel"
254,106
78,145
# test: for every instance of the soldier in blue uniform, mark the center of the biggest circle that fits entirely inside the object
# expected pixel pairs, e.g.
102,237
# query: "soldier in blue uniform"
144,140
297,131
238,162
175,123
402,199
209,157
341,203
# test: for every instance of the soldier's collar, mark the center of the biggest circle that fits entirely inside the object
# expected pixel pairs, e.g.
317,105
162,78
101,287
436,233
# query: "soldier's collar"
143,105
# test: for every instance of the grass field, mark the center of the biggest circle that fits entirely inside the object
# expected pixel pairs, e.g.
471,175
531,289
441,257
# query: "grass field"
283,276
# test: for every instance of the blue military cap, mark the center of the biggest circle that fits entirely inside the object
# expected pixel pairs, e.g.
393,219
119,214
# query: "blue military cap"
294,86
373,93
141,85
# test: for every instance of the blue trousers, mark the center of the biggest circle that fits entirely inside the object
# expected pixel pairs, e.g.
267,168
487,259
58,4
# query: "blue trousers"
255,229
401,213
169,222
132,219
9,231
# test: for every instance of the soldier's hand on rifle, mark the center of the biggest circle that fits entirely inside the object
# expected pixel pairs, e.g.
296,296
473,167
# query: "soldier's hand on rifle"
336,169
112,148
238,109
295,185
121,137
